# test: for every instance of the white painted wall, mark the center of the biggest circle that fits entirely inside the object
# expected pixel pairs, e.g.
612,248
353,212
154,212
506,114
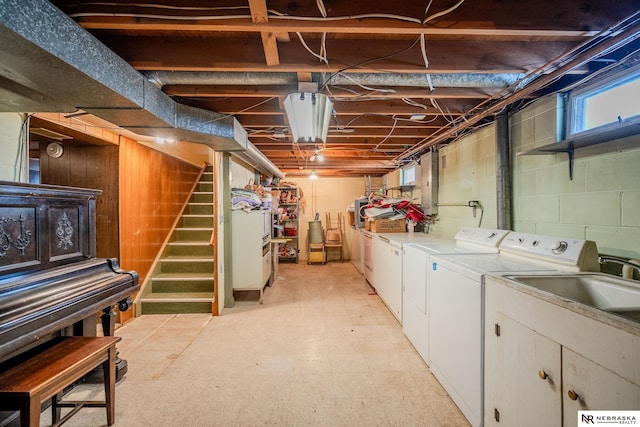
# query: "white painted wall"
327,195
240,173
14,148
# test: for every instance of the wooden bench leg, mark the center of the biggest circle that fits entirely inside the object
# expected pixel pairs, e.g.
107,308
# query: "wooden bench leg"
30,412
109,369
56,411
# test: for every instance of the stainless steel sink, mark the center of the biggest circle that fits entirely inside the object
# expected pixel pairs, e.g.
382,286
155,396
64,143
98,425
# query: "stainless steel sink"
601,291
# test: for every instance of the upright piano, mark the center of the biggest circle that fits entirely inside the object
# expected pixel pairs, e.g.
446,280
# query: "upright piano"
51,282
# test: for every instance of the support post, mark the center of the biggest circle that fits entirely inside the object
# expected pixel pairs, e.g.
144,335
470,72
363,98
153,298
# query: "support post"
503,173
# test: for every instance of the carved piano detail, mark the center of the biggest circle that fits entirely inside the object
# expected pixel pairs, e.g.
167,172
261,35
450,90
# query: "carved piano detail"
50,279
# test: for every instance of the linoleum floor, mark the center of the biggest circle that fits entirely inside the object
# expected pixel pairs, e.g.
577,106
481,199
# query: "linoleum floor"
323,350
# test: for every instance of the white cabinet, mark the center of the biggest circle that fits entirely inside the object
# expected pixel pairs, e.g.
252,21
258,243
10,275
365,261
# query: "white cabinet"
515,391
544,363
586,385
387,272
250,250
414,298
367,257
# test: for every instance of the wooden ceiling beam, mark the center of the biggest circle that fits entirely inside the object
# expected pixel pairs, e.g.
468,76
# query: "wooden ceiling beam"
561,16
276,120
363,133
224,54
253,106
371,26
259,15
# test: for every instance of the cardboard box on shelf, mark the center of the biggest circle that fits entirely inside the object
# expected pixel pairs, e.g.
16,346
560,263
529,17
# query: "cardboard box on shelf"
387,226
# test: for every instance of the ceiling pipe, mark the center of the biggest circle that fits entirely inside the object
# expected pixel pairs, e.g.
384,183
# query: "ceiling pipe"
162,78
467,80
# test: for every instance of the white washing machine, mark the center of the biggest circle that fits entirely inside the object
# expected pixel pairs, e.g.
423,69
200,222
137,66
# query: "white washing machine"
456,300
415,261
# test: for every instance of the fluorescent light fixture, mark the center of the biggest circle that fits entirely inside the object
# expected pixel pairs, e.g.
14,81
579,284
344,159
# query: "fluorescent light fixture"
308,114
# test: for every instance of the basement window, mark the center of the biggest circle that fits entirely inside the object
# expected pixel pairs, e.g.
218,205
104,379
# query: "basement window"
605,106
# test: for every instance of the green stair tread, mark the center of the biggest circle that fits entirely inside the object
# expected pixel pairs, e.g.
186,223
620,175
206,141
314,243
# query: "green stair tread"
183,276
179,297
189,243
186,258
195,228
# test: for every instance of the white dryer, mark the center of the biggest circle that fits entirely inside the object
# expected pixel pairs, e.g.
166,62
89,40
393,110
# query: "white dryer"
415,261
456,300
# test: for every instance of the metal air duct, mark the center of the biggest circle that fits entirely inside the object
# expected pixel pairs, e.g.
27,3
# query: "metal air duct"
51,64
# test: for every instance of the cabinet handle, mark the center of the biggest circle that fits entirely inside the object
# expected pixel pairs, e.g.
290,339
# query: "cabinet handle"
542,374
573,395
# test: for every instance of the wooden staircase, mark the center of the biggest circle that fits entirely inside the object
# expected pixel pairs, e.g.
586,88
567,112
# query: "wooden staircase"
183,278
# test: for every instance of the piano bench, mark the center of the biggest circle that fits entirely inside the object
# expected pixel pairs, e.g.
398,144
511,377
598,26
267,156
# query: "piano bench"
44,376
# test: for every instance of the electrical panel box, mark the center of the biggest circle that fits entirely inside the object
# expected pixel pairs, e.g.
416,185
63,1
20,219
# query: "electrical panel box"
429,182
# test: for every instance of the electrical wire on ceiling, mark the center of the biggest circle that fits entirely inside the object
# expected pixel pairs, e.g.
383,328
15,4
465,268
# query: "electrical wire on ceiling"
372,89
411,102
368,61
447,116
273,15
375,149
276,14
224,116
442,13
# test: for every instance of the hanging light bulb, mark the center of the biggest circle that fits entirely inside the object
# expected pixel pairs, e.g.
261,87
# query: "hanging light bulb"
313,175
316,156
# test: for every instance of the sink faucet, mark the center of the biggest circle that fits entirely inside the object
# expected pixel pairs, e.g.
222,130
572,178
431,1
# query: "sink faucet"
626,265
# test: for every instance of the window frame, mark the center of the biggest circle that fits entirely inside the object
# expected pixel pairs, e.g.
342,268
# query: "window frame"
575,106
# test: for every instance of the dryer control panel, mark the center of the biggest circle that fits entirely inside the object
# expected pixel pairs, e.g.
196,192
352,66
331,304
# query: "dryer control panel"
570,252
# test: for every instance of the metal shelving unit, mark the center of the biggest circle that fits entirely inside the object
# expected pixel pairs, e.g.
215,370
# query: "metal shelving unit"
286,223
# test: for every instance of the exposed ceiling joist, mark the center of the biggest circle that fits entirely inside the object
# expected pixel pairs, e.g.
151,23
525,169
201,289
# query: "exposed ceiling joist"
447,66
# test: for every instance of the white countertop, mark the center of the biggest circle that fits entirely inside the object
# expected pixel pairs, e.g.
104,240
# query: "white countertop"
585,310
406,238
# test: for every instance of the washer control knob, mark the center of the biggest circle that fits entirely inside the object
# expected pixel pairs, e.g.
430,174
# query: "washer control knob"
520,240
559,247
491,235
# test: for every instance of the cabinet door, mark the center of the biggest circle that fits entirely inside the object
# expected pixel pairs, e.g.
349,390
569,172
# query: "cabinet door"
517,391
414,299
596,388
387,261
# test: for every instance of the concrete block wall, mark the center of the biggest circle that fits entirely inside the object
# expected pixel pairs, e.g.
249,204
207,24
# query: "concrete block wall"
601,203
467,171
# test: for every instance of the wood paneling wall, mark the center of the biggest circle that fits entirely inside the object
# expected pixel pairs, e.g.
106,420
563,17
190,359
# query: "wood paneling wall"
90,166
153,189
